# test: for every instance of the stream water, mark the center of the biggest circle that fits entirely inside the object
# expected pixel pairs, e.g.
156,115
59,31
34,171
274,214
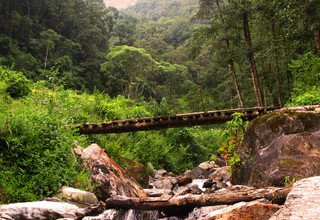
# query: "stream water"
112,214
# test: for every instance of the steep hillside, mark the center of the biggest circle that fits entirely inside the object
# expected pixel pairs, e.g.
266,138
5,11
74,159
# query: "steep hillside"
120,4
147,10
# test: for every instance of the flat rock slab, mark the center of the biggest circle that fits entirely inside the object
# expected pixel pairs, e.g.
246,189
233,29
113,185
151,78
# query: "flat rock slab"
41,210
255,210
303,202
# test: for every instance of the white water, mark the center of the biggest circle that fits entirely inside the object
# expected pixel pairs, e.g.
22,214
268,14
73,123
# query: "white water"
199,183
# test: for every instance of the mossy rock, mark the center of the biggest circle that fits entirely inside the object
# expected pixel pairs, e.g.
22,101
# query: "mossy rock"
278,145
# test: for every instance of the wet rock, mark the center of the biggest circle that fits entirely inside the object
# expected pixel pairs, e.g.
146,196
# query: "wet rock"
198,173
302,202
195,189
173,180
43,210
221,174
258,210
110,179
164,183
183,190
183,180
280,145
188,189
158,192
201,212
159,173
76,195
220,185
171,218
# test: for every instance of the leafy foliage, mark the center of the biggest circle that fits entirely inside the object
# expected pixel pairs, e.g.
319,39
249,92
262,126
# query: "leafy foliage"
235,133
17,84
36,156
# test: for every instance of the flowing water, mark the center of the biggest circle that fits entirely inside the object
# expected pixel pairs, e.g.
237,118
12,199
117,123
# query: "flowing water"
112,214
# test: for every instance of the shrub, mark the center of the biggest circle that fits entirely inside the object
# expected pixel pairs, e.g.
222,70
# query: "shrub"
17,84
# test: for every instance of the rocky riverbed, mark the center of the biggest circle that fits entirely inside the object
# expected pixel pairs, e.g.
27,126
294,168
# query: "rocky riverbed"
208,191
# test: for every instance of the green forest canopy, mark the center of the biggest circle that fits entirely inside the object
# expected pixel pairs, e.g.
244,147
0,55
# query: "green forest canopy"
76,61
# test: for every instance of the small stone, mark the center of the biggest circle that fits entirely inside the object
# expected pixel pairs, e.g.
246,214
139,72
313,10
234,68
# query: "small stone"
158,192
195,189
173,180
206,165
184,180
158,184
167,184
159,173
182,190
220,185
222,174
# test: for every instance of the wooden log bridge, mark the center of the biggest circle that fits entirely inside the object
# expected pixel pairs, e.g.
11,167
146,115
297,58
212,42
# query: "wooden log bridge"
182,120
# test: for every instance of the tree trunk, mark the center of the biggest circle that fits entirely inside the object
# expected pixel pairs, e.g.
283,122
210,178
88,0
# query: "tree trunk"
190,201
253,67
231,64
317,40
277,72
236,83
46,57
28,6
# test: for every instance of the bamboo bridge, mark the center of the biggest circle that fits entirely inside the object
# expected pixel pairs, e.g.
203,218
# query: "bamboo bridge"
183,120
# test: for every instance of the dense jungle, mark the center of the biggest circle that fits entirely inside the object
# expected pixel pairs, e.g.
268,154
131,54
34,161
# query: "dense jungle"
79,61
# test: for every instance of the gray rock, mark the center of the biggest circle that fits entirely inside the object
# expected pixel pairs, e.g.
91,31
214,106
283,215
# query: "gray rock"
42,210
164,183
303,202
201,212
76,195
207,165
220,185
188,189
221,174
198,173
158,192
159,173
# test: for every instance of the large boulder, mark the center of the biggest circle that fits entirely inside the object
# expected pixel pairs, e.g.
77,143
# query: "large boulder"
280,147
110,179
303,202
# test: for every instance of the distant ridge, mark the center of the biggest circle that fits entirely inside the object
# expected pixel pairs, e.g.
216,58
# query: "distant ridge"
120,4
